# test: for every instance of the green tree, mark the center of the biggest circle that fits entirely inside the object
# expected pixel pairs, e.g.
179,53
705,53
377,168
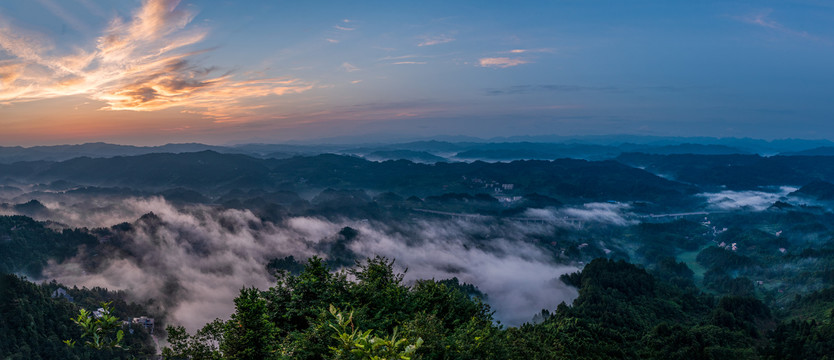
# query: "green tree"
205,345
249,333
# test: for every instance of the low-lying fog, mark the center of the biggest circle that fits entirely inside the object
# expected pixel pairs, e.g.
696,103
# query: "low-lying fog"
194,259
747,200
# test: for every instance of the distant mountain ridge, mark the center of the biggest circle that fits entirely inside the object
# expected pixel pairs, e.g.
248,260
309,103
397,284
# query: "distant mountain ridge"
458,149
98,149
818,151
735,172
750,145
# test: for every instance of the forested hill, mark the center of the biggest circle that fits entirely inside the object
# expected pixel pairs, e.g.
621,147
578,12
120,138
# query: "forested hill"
35,322
736,171
211,171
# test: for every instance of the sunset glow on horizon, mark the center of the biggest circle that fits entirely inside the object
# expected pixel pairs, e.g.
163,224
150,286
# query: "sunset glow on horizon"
158,71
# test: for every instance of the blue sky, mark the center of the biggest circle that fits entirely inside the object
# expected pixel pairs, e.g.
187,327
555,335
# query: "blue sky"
149,72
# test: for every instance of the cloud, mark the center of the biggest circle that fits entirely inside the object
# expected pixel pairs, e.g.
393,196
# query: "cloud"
601,213
194,259
378,111
343,28
93,8
140,64
332,41
406,59
436,40
746,200
349,67
518,277
402,57
9,72
68,18
501,62
528,89
762,18
90,211
523,51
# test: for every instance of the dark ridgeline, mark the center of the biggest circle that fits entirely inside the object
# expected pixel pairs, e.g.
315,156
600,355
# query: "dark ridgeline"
209,171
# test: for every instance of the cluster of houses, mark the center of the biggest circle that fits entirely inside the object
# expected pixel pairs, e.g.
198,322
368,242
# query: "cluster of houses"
497,188
143,321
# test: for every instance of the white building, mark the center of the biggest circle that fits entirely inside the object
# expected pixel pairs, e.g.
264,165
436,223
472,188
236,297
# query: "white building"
145,322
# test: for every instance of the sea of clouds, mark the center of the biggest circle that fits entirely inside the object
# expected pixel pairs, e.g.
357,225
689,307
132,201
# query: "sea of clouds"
193,260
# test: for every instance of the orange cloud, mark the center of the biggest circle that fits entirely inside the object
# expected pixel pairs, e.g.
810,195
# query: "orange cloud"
9,72
136,65
501,62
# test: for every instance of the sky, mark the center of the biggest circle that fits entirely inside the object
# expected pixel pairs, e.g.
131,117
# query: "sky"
159,71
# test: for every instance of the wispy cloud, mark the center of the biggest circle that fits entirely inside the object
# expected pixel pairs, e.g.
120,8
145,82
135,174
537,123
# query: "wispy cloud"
436,40
94,8
332,41
614,214
501,62
139,64
343,28
375,111
527,89
349,67
408,59
402,57
762,18
64,15
523,51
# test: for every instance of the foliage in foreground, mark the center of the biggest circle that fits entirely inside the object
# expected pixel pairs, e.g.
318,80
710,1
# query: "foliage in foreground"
102,332
354,343
294,319
622,312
